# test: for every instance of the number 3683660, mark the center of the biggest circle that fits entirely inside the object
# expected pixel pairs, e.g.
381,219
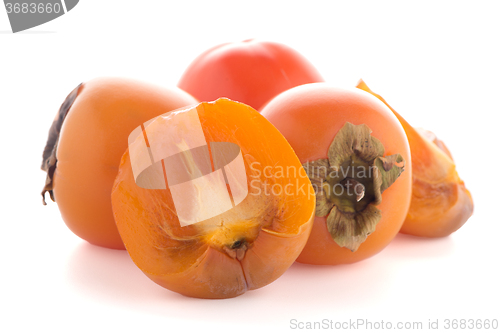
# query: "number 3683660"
25,8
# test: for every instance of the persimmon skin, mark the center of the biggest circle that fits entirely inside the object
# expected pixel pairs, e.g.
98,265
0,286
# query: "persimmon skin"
440,204
192,260
251,72
93,138
309,117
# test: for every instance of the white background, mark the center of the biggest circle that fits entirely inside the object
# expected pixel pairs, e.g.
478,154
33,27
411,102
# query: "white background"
437,63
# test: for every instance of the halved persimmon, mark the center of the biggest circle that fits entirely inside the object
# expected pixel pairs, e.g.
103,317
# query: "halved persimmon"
211,200
440,202
357,156
86,141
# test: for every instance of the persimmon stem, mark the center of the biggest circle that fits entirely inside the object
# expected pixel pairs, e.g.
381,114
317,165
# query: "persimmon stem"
357,187
350,183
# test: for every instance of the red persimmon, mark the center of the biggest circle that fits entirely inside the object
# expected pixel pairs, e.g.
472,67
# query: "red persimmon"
251,72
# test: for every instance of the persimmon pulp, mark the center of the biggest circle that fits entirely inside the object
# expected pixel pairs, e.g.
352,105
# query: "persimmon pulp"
243,248
440,202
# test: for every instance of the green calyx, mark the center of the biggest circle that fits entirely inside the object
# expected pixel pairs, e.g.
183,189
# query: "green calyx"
350,182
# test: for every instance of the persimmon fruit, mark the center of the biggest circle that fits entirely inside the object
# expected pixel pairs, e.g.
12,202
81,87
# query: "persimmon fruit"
251,72
440,202
357,156
86,141
243,248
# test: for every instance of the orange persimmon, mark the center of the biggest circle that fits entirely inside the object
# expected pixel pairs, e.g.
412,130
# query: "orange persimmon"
440,202
162,215
357,156
86,141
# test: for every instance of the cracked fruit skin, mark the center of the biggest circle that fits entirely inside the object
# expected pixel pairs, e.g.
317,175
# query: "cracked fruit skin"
310,117
440,202
244,248
251,72
92,140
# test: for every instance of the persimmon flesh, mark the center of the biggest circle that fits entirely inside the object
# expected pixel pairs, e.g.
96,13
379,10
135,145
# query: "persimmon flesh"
82,159
243,248
440,202
337,134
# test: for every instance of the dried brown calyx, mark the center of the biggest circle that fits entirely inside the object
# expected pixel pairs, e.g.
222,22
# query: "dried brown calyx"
49,162
350,182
